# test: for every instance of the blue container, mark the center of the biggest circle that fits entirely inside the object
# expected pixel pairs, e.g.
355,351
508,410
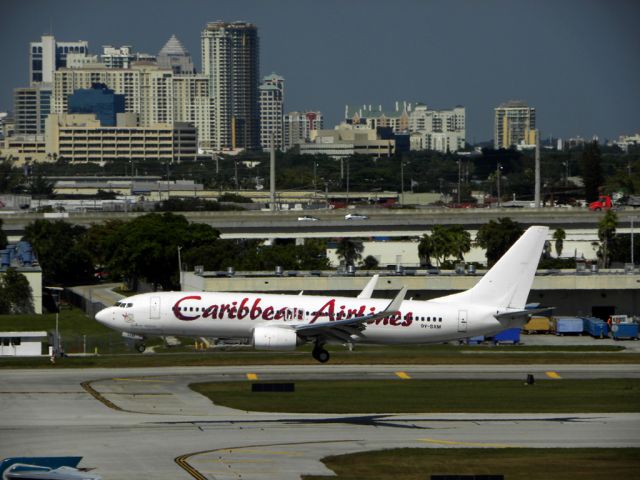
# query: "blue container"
475,340
509,335
566,325
595,327
624,330
25,253
5,258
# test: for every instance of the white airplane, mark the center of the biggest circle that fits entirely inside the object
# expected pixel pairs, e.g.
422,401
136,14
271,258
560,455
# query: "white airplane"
283,322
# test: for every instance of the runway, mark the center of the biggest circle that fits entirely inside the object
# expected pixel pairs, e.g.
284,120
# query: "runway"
146,421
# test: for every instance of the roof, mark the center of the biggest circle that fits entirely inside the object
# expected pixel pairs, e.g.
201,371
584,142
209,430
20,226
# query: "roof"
23,334
173,47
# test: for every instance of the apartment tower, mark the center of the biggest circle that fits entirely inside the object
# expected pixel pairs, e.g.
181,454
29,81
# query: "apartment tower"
230,58
515,124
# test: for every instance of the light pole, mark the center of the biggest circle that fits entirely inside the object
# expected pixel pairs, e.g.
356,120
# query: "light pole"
498,169
401,181
180,267
56,292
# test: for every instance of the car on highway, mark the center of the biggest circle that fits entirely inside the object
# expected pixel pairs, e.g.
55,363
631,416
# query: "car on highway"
307,218
355,216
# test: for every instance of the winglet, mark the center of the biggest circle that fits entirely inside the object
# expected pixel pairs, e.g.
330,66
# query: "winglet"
394,306
369,287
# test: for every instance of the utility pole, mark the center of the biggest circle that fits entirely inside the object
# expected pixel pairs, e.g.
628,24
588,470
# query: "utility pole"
459,172
537,187
402,181
347,181
272,177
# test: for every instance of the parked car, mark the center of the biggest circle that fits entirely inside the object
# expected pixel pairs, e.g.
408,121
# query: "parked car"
307,218
355,216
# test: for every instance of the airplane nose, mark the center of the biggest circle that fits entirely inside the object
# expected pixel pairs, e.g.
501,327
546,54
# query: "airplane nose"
104,317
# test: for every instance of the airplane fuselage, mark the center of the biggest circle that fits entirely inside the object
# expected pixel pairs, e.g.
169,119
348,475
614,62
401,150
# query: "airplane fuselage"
236,315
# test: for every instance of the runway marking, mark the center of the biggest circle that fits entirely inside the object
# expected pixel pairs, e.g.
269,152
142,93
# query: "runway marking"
466,444
403,375
553,375
119,379
252,376
184,464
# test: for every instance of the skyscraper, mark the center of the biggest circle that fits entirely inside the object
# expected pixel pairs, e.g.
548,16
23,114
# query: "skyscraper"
299,125
47,56
230,58
271,111
174,56
31,106
515,123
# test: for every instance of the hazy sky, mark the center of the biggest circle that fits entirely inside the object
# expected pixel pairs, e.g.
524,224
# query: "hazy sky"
576,61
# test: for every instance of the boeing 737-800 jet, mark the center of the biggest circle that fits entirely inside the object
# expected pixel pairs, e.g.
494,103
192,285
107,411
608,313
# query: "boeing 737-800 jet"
282,322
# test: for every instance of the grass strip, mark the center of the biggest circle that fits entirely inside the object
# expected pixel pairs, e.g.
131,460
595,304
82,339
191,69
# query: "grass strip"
513,463
426,396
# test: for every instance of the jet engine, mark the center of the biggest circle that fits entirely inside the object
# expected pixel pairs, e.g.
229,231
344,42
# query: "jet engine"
274,338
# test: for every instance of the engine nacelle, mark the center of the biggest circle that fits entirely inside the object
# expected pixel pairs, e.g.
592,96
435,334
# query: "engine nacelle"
274,338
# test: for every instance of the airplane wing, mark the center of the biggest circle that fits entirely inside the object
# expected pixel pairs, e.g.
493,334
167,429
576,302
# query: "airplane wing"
369,287
343,329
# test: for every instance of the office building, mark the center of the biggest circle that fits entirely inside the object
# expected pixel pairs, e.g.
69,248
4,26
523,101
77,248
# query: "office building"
48,55
298,127
230,58
175,57
346,140
271,111
515,124
99,100
81,138
439,130
31,106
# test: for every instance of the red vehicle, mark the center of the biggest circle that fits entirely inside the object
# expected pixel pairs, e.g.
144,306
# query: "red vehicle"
603,203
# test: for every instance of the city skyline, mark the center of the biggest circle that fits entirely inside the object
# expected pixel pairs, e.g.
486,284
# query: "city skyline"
573,62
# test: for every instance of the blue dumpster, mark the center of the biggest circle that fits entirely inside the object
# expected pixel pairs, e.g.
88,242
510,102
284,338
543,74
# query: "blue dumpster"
620,331
595,327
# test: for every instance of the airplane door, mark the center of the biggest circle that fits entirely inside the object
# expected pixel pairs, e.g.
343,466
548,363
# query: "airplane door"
154,310
462,320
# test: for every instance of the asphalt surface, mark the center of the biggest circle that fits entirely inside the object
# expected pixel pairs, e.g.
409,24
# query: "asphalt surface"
146,422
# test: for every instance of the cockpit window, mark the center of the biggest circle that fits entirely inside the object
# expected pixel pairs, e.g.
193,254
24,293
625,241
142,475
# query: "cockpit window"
129,305
117,303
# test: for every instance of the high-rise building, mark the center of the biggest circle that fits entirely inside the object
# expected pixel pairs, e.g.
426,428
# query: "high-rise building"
230,58
174,56
99,100
439,130
299,125
31,106
515,124
123,57
192,103
147,89
375,117
47,56
271,111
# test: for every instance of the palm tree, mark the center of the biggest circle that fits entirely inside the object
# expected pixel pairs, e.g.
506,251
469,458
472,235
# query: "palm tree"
349,250
606,233
559,235
425,249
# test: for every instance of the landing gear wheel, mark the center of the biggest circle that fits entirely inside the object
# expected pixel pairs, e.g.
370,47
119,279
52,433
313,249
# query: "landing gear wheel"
141,347
321,355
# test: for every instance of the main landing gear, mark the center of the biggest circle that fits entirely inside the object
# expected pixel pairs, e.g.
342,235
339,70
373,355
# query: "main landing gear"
140,347
320,354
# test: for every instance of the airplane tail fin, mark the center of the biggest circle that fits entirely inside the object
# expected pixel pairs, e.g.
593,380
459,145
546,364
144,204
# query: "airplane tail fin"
508,282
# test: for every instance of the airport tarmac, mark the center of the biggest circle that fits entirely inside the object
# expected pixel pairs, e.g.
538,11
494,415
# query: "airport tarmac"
130,423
